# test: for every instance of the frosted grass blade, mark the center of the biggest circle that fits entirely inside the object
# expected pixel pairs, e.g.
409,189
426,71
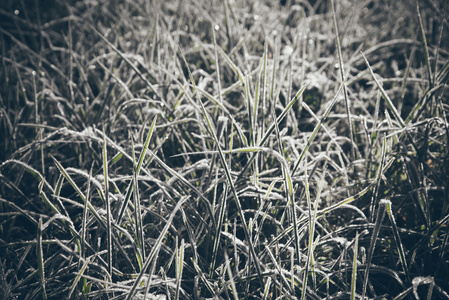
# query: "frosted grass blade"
179,267
342,77
137,170
40,259
397,239
108,206
354,268
78,277
390,104
377,225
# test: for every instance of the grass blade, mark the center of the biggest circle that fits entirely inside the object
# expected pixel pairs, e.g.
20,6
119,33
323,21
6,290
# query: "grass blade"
378,180
231,278
40,259
78,277
377,225
179,267
426,49
312,218
354,267
221,216
130,64
397,239
342,78
137,170
78,191
390,104
108,205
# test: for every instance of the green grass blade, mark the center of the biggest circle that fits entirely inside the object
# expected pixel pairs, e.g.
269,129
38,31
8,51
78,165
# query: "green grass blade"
145,147
46,200
231,277
179,267
233,66
377,225
267,289
290,196
397,239
203,277
78,277
249,104
278,268
217,64
138,167
271,129
136,196
221,216
84,219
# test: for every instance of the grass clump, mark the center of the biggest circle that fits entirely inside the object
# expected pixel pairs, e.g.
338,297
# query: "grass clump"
224,149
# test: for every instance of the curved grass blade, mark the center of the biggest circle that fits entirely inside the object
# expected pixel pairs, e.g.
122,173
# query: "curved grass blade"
233,66
36,174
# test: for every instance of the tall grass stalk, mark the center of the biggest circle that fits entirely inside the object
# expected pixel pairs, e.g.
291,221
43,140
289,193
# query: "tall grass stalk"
342,78
108,205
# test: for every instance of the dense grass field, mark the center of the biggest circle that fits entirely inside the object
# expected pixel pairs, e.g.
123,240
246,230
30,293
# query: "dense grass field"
232,149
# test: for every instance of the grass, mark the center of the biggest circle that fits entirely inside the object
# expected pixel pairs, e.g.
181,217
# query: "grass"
224,149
